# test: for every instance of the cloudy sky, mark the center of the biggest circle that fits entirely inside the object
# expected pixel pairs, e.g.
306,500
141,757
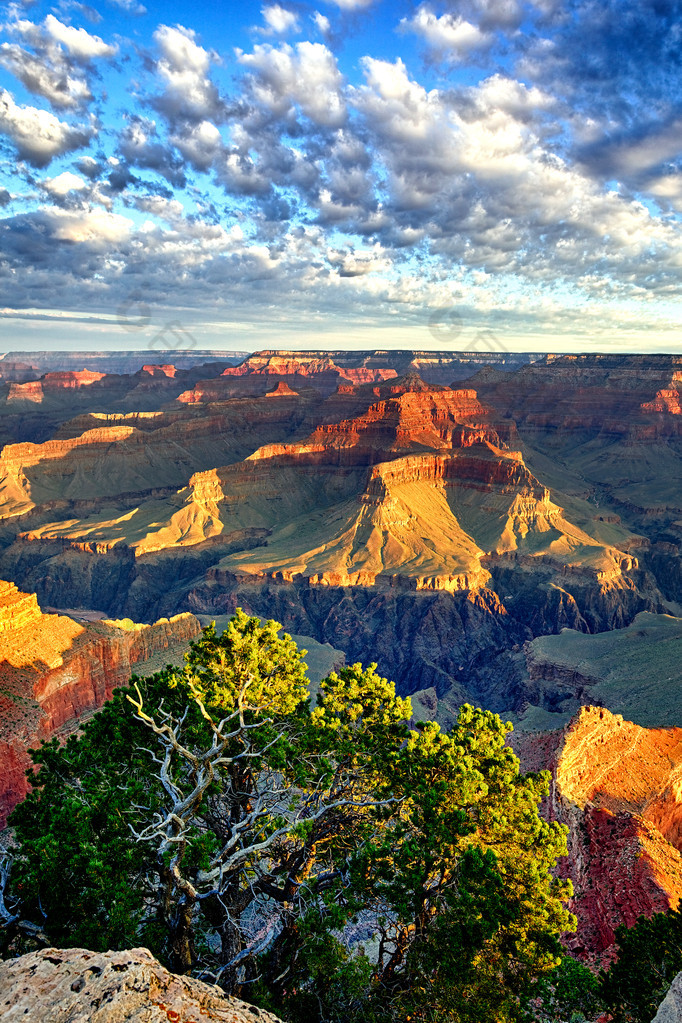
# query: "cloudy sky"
480,174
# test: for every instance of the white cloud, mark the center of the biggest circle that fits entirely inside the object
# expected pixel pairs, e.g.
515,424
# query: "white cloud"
200,144
385,195
79,43
472,173
59,67
63,184
307,76
180,51
96,228
450,34
63,87
37,134
188,92
322,22
279,20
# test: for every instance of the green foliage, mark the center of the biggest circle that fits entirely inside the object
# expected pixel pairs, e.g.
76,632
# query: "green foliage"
333,861
252,652
570,994
649,958
80,866
463,874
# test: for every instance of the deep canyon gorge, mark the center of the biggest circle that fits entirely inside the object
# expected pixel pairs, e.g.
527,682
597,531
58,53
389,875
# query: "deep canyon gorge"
504,530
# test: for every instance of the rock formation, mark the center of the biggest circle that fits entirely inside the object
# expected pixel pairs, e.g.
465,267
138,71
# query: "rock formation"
54,670
670,1009
617,787
76,986
389,484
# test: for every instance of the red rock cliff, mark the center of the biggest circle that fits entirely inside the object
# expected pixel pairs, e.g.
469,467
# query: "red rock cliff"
616,787
54,670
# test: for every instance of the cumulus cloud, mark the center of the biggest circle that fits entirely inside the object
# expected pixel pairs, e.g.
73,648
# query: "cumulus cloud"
79,43
58,66
279,20
38,135
475,179
188,93
63,184
98,229
306,77
200,144
469,27
292,107
53,80
449,35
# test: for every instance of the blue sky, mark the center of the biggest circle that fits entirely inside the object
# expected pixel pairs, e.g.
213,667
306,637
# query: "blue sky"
479,174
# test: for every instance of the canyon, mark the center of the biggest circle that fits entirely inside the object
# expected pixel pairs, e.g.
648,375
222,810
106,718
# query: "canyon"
493,528
436,511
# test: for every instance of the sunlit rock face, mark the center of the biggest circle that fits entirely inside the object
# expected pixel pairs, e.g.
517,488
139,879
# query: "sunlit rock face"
617,787
55,670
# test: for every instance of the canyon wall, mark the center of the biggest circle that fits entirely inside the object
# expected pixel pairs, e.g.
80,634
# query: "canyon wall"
55,670
617,788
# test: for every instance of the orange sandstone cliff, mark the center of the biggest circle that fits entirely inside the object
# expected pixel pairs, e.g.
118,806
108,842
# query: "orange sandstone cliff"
617,787
54,670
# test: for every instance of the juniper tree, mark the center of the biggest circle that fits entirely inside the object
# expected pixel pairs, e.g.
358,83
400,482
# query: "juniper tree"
212,815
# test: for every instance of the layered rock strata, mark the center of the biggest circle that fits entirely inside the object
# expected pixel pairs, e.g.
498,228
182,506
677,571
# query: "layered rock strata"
54,670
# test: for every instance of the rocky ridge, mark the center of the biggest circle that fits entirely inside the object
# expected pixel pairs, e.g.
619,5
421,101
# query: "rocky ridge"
76,986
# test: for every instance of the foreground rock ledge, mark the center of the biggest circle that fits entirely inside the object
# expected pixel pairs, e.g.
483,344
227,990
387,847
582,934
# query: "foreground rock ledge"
76,986
670,1009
